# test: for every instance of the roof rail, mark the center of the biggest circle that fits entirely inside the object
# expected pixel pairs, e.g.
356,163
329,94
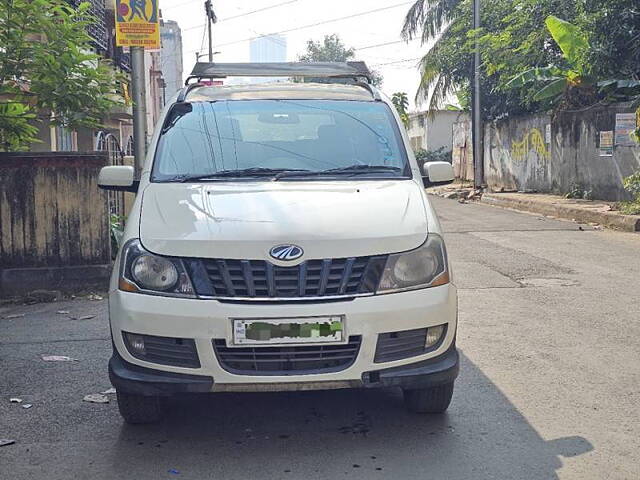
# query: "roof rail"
184,91
373,90
354,70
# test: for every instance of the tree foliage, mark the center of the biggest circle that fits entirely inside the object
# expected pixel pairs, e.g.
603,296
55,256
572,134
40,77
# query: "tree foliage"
632,185
332,49
573,81
401,102
48,71
592,40
442,154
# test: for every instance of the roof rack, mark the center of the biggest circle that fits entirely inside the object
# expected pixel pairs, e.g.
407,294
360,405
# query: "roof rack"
354,70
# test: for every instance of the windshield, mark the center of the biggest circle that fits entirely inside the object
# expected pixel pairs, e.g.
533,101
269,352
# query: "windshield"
270,136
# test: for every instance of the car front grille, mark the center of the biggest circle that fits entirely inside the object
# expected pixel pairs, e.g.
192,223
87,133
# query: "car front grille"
259,279
286,360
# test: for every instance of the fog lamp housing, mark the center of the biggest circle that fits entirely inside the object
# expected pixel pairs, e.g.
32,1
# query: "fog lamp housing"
135,343
434,335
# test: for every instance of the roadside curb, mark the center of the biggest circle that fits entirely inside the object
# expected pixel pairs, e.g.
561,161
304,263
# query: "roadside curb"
627,223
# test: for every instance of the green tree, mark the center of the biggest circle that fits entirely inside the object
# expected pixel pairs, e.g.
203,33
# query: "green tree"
401,102
570,79
575,81
512,36
332,49
513,39
613,29
48,71
435,22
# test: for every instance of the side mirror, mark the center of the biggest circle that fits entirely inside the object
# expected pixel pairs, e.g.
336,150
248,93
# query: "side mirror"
117,177
437,173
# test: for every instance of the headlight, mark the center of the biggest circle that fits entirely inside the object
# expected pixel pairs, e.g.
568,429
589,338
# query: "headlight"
423,267
154,273
144,272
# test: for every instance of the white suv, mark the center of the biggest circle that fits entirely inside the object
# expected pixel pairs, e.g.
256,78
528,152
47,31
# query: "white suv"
281,239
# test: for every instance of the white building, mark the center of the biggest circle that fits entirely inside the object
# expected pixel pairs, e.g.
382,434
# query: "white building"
154,89
268,48
434,130
171,57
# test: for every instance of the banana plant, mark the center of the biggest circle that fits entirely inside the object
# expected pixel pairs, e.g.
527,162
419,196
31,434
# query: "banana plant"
558,80
621,90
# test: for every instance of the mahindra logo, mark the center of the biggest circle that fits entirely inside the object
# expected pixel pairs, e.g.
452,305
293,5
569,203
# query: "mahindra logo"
286,253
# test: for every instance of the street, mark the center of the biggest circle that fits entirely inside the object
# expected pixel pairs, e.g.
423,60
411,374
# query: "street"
549,384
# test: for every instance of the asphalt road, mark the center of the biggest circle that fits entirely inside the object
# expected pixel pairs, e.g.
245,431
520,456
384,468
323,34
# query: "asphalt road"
549,387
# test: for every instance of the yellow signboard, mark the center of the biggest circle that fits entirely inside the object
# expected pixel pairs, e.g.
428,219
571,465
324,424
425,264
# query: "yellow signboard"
137,24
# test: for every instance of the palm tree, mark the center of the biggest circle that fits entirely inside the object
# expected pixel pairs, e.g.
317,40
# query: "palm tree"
430,21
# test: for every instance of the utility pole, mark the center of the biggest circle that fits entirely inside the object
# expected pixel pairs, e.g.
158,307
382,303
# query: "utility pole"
139,109
211,19
476,119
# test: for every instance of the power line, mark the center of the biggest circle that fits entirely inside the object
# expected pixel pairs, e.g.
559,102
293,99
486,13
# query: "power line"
244,14
261,9
268,37
379,45
397,61
204,34
179,5
324,22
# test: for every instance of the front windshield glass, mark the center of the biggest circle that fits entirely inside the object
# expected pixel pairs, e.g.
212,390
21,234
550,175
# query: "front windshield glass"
205,138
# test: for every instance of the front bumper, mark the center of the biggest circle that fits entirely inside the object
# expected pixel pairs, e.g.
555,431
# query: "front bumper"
145,381
130,378
207,320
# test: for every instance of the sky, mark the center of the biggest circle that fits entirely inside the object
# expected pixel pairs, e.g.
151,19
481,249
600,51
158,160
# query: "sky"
240,20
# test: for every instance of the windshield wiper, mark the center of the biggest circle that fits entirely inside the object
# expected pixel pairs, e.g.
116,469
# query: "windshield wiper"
244,172
350,170
364,168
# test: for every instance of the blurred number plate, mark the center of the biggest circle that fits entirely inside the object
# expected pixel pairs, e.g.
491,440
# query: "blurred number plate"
282,331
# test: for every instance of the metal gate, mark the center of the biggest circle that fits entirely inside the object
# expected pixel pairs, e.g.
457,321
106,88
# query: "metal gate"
108,142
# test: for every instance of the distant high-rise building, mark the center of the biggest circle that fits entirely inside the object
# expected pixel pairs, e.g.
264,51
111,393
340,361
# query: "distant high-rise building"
269,48
171,57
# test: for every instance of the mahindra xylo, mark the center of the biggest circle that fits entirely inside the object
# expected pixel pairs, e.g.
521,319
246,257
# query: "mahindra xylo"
281,239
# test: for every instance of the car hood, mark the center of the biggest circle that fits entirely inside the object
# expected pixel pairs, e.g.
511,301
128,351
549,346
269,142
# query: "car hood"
245,220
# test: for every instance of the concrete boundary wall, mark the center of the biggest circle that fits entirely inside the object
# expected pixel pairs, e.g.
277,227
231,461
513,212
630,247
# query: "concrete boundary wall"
54,229
550,154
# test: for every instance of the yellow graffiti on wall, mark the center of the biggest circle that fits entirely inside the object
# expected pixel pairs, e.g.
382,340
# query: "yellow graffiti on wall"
532,140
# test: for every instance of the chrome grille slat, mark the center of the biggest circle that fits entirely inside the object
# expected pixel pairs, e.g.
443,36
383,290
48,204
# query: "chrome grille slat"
271,285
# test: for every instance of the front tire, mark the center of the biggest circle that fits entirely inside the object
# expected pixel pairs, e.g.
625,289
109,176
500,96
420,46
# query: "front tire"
428,400
139,409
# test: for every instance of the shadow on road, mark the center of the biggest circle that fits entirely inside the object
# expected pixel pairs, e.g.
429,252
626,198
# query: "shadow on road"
361,433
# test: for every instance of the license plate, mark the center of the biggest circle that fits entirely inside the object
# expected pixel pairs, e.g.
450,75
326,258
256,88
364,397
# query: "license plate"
284,331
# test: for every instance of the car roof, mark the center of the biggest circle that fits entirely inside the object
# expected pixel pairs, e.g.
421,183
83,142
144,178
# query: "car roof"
283,91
